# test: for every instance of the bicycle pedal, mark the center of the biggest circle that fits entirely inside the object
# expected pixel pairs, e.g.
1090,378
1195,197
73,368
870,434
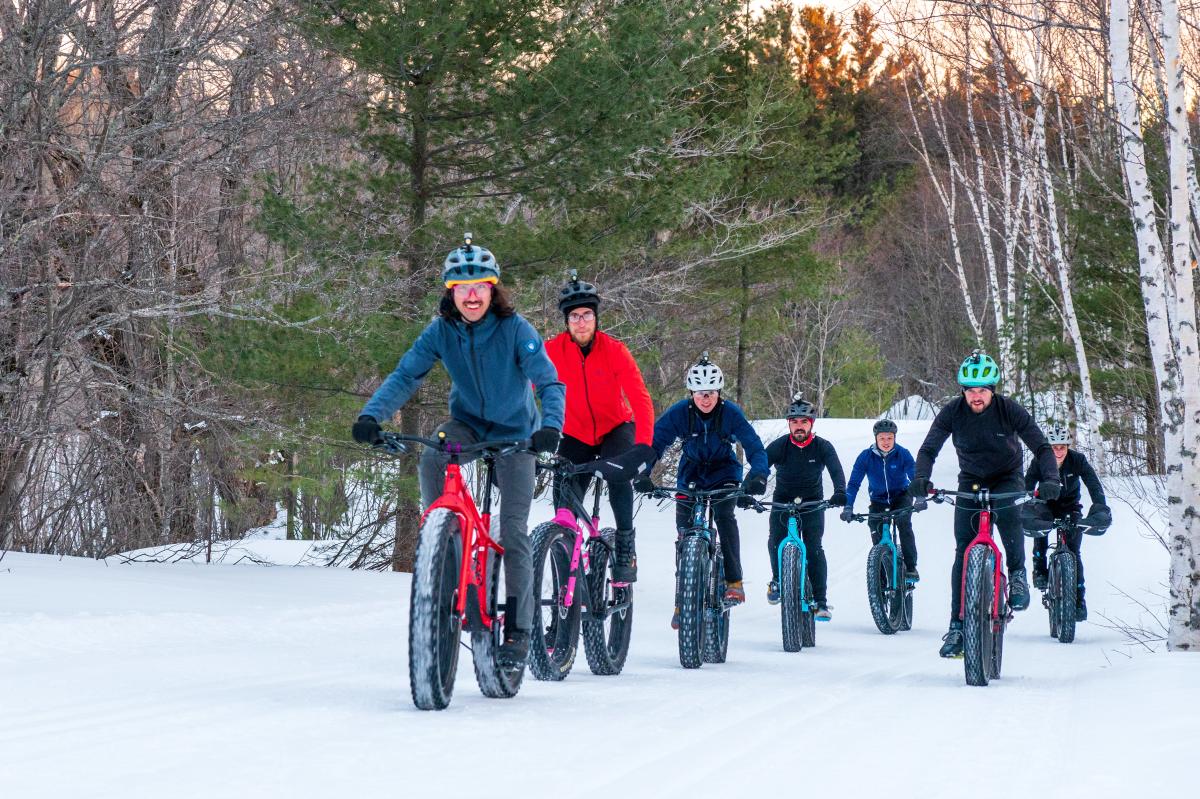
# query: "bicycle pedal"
620,585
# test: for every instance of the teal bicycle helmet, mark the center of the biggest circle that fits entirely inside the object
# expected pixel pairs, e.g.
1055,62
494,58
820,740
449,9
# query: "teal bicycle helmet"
978,370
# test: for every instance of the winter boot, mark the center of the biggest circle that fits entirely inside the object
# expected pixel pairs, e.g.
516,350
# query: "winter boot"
675,620
734,592
952,641
624,568
773,593
824,612
1018,590
514,650
1041,575
911,575
1080,607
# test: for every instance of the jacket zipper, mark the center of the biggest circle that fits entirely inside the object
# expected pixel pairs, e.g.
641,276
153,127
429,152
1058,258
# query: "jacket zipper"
478,380
587,396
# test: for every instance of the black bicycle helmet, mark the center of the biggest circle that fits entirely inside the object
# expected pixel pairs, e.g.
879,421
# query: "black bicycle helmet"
801,409
578,293
884,426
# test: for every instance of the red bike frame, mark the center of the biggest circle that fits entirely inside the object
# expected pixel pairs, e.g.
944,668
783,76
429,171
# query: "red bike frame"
984,536
476,543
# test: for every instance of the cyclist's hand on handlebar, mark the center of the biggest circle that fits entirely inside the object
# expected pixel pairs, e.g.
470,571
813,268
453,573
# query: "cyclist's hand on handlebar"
546,440
745,502
838,499
920,487
643,485
366,430
755,484
1049,490
847,514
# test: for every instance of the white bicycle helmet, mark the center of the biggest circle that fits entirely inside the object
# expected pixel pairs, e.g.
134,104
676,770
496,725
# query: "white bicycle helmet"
705,376
1058,435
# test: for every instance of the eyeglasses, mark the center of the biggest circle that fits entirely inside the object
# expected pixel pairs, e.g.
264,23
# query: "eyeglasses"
467,289
705,394
579,317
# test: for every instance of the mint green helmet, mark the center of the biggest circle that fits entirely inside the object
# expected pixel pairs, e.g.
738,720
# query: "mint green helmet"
978,370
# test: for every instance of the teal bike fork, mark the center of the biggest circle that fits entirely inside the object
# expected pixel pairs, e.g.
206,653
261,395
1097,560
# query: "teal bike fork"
794,539
885,533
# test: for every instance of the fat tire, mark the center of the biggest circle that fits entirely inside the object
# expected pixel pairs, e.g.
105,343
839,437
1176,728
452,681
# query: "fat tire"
553,645
808,621
693,582
879,578
977,615
606,642
495,681
791,616
433,626
716,614
1066,591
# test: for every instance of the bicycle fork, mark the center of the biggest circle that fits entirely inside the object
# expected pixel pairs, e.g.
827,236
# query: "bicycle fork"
793,537
984,537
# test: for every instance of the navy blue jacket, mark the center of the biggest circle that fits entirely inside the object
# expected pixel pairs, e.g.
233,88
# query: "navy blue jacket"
491,365
708,458
888,474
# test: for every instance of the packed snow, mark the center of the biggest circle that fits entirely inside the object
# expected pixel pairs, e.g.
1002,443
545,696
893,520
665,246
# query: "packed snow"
149,679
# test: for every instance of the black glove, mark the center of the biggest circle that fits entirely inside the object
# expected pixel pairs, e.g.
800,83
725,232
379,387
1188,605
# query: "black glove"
744,502
919,487
755,484
643,484
847,514
1049,490
546,440
838,499
1099,516
366,430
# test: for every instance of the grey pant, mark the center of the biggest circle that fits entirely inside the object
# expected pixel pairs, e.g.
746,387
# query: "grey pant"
515,477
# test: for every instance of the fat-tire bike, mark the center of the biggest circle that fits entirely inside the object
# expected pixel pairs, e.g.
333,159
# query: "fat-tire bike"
456,579
798,608
1062,580
985,609
573,586
700,578
889,593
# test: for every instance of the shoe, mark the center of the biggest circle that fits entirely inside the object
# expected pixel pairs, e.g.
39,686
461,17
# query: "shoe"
734,592
624,568
952,641
1041,575
1080,609
773,593
911,575
513,653
1018,590
675,620
823,612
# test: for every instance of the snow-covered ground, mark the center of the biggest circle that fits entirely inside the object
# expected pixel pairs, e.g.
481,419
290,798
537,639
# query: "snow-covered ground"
182,680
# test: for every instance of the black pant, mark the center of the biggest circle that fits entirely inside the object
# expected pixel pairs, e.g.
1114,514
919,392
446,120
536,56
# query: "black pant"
727,529
812,530
908,543
1072,540
1006,517
620,493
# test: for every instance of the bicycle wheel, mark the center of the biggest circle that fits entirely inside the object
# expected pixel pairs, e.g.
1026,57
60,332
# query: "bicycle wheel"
554,641
1064,578
808,619
606,642
693,582
880,588
495,681
433,624
716,614
999,626
791,615
977,615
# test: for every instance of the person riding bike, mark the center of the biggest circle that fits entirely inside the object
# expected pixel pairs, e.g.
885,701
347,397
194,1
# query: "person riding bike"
477,329
799,458
609,409
988,429
1072,472
888,468
709,426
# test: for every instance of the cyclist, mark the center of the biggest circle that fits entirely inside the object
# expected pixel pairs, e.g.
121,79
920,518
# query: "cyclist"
476,327
609,410
988,429
709,426
1073,470
799,458
888,468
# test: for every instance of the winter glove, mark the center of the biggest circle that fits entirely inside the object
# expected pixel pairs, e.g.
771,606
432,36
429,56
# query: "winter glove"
755,484
546,440
1049,490
919,487
1099,517
366,430
744,502
643,484
838,499
847,514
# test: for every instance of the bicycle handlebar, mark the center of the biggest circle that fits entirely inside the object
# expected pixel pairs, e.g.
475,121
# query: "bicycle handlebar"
793,507
397,444
950,497
692,494
890,514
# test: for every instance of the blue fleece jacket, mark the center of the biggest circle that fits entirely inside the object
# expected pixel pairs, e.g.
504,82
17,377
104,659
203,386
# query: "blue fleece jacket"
888,475
491,365
708,458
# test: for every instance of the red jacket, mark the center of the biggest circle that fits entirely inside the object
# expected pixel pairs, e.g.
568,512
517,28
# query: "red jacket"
604,390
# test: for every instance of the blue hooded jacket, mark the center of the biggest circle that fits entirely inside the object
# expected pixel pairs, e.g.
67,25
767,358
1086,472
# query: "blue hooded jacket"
491,365
708,457
888,475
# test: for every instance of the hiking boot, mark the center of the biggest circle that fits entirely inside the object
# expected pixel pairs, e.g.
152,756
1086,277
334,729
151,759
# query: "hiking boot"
624,568
1041,575
675,620
1080,609
1018,590
734,592
514,647
952,641
823,612
911,575
773,593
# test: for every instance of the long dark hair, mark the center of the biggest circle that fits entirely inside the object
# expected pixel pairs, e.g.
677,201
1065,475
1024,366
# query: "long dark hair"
501,305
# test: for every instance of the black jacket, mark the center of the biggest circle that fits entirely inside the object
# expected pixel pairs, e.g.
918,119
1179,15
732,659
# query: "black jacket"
1074,473
988,443
798,468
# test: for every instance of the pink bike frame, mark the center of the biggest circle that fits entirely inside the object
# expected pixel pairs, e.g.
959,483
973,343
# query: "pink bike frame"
565,518
984,536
